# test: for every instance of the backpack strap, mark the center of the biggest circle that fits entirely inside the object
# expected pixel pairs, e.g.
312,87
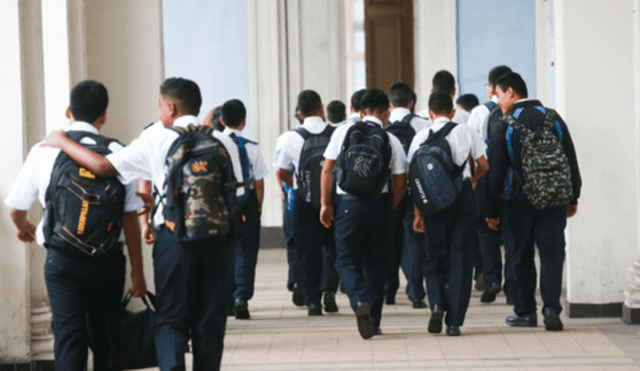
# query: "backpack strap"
304,133
442,133
491,105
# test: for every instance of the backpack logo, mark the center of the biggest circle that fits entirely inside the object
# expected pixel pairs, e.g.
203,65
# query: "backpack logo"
199,167
82,220
86,173
362,166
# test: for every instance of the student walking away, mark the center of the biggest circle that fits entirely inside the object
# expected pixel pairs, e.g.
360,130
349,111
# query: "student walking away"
354,109
407,245
85,268
443,81
532,154
303,156
193,270
254,170
445,210
293,278
366,159
482,117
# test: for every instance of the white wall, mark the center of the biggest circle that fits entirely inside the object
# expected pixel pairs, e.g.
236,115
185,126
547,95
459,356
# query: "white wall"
595,95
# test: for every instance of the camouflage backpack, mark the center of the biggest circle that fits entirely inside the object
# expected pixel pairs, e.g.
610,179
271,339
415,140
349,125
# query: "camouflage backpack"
546,173
199,194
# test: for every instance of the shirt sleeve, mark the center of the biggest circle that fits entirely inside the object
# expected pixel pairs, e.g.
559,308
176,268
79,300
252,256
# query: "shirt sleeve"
337,138
25,188
259,166
398,158
133,162
286,158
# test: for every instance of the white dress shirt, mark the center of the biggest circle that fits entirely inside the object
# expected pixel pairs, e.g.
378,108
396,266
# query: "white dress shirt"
257,164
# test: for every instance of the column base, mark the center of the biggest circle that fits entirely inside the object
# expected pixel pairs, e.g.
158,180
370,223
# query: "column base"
630,316
609,310
33,366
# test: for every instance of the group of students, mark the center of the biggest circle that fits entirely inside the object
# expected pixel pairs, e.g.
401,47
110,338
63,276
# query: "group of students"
349,215
502,199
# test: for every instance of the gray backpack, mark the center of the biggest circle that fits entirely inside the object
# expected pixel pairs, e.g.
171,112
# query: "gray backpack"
546,173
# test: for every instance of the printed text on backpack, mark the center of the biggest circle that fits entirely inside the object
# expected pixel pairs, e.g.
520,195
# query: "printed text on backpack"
311,163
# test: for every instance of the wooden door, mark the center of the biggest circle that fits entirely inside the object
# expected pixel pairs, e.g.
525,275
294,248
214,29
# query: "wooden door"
389,42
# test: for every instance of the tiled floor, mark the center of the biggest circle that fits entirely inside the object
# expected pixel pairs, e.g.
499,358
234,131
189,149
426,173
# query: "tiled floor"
280,336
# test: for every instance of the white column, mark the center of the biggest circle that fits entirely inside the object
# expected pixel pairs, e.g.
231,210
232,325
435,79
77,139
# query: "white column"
544,52
436,46
14,268
293,46
595,96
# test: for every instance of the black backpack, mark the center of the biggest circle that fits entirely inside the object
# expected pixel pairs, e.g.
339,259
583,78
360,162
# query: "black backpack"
403,131
546,173
435,180
199,193
311,163
84,213
362,168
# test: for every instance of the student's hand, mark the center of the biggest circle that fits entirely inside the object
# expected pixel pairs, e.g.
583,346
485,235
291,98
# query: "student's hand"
54,139
326,215
26,232
148,203
572,210
418,223
138,285
493,223
148,234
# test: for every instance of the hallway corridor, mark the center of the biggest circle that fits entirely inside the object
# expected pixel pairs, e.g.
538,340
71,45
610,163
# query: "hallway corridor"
280,336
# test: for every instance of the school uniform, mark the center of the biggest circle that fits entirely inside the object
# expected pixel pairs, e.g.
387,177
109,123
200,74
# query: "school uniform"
287,219
192,282
248,244
83,292
449,234
309,233
526,225
489,240
361,228
407,251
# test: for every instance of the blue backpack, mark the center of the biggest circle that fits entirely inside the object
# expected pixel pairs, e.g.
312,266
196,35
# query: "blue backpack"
435,180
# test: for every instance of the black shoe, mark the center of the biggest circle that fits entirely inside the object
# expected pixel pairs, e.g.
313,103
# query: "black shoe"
389,299
480,284
231,312
419,304
365,324
551,320
435,322
453,331
315,309
489,294
330,305
526,320
378,331
241,308
290,286
298,295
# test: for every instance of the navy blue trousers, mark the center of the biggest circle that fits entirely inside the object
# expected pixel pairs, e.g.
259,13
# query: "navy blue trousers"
449,261
361,244
193,289
289,241
247,247
84,293
544,228
310,236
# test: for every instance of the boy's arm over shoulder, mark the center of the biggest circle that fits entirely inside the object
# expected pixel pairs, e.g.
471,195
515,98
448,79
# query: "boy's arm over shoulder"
93,161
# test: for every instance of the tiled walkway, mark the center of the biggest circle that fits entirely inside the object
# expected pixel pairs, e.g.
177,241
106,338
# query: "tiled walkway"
280,336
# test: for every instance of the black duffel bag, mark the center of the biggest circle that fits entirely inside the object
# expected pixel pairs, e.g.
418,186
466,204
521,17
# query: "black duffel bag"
131,336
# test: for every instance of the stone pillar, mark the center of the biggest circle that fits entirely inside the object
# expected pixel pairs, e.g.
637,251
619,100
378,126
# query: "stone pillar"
293,46
631,306
595,95
436,45
15,345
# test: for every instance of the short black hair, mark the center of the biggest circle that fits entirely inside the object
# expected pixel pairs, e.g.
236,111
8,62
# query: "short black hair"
374,99
185,94
443,81
233,113
440,103
336,111
356,98
297,115
514,81
88,100
401,94
468,101
308,102
215,118
496,72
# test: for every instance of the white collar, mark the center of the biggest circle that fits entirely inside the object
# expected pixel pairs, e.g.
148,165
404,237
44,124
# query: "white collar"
82,126
229,131
399,113
372,119
185,120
